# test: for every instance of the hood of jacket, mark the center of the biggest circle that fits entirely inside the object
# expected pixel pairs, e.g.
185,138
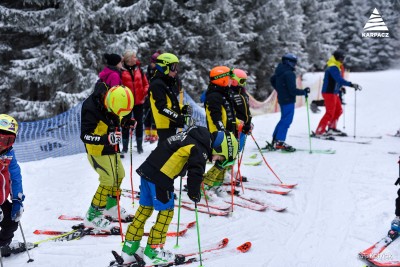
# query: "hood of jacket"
333,62
282,68
107,71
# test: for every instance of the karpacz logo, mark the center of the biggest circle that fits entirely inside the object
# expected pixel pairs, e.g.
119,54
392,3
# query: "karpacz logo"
375,26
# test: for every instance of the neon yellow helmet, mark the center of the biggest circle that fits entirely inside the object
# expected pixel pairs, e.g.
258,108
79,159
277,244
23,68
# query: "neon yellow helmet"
167,62
119,100
8,124
225,144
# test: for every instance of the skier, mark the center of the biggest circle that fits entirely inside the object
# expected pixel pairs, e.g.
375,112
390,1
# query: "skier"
167,112
333,81
10,182
241,100
284,82
134,78
150,127
184,152
100,132
220,116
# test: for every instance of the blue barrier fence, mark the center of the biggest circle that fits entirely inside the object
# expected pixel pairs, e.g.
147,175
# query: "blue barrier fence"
60,135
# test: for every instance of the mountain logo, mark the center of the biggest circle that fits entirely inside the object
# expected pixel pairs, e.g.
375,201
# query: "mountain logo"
375,26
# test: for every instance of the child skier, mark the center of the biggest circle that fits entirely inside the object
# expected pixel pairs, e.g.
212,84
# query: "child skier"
100,132
186,151
10,181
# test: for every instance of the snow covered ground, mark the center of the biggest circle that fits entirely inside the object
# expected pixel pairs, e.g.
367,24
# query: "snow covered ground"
343,202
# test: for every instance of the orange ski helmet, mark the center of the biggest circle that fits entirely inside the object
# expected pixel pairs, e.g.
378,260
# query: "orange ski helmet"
239,77
220,76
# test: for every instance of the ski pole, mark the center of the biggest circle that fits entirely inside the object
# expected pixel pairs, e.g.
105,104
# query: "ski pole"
344,113
355,111
179,212
308,119
240,163
117,193
198,232
205,197
262,155
1,260
232,186
131,172
26,245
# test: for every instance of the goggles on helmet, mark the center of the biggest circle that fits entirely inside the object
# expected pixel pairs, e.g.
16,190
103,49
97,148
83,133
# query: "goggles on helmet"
241,81
6,140
222,75
173,67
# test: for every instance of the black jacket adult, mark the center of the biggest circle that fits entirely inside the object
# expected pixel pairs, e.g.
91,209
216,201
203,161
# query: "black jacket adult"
97,123
164,102
284,82
185,151
220,112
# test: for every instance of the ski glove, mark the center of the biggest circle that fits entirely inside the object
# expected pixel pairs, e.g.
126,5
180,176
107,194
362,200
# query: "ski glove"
248,128
356,86
1,215
306,91
187,110
114,138
17,207
194,196
128,123
343,90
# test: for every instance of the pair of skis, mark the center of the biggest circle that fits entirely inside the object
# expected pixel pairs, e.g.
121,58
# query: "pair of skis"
187,258
80,230
375,254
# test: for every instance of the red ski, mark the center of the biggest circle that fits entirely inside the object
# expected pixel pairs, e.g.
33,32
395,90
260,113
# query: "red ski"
375,250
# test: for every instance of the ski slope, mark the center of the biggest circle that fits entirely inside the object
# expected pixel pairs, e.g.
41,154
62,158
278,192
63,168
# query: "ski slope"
343,202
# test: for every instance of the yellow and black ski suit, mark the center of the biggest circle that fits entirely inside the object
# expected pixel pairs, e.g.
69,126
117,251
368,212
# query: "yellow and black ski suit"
96,124
165,105
187,151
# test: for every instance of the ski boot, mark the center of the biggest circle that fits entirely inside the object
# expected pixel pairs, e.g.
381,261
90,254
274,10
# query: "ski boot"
112,210
156,255
283,146
16,247
96,219
395,225
336,132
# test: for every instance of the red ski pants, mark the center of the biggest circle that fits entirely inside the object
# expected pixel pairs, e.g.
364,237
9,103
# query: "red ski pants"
333,111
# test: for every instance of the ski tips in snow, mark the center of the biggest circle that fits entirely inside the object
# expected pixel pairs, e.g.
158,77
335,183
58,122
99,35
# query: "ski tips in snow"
244,247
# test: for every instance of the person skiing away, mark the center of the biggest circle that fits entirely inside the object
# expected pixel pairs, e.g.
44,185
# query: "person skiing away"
101,115
284,82
134,78
220,116
332,83
167,112
11,184
185,152
150,127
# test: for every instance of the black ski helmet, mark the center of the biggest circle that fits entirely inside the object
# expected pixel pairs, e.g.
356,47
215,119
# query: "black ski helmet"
339,55
289,59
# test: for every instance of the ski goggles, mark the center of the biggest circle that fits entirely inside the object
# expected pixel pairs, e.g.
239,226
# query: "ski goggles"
173,67
241,81
6,140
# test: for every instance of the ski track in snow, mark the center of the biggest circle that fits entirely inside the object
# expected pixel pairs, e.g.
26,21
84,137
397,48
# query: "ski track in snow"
343,202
